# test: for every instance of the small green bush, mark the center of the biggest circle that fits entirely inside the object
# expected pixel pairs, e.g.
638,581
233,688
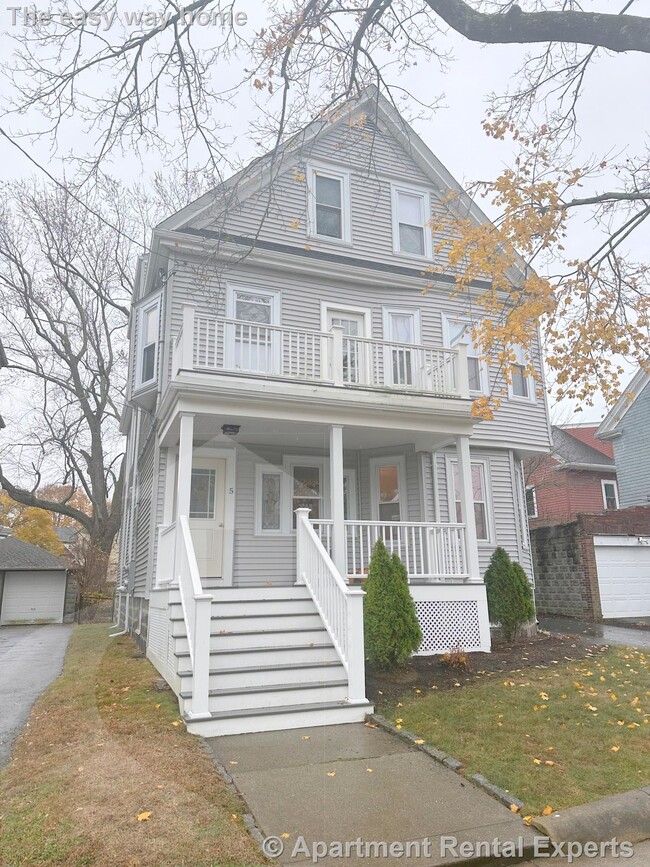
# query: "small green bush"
509,594
391,628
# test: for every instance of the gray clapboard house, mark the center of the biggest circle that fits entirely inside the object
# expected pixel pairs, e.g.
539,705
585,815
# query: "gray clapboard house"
626,426
301,384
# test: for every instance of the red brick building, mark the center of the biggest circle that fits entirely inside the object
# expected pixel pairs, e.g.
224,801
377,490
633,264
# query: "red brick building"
578,477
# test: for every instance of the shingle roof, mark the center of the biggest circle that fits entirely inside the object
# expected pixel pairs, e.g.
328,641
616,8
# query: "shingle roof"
16,554
571,450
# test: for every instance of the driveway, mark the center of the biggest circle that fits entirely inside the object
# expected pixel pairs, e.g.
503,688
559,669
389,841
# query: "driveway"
31,657
598,633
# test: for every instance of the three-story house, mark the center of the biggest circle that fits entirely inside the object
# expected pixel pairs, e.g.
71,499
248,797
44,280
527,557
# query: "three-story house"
302,380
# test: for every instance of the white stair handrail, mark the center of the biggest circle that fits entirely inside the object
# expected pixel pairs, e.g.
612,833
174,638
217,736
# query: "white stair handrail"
340,606
197,612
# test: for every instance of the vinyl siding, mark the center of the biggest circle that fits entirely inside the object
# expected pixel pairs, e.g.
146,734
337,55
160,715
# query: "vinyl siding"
524,423
278,212
632,453
504,503
143,508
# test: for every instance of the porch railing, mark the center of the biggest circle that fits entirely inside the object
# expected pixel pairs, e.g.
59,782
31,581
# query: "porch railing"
211,343
340,606
430,552
197,609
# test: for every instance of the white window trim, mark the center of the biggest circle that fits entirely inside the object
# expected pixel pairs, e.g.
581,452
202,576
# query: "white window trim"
388,461
276,318
428,238
288,463
411,311
145,306
530,380
604,482
274,294
268,470
536,512
333,307
447,319
451,502
338,174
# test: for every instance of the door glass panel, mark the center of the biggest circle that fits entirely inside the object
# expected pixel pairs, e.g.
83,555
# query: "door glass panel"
402,330
202,493
389,505
306,491
271,501
253,341
352,327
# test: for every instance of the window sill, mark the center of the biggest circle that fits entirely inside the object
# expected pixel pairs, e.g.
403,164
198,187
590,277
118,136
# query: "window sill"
327,239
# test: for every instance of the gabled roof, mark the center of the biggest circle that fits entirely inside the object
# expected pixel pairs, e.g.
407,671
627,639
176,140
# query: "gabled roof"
586,433
18,555
265,169
633,391
572,453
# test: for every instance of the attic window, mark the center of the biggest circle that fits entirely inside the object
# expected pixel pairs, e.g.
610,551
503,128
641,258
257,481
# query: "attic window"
411,213
329,204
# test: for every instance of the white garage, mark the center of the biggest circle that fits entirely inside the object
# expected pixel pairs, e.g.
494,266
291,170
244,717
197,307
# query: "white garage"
32,583
623,565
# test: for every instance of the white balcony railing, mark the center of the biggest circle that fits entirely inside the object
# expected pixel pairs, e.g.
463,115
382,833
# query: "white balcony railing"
210,343
430,552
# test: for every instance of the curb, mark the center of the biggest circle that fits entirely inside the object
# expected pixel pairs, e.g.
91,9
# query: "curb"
624,817
247,818
448,761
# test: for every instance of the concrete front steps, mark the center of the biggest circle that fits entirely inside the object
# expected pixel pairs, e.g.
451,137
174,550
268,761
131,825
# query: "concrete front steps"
272,664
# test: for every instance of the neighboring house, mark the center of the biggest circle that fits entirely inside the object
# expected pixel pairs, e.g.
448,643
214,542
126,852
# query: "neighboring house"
578,477
33,584
300,386
626,428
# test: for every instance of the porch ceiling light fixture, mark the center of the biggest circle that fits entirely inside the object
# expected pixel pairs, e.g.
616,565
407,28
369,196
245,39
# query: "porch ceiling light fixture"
230,430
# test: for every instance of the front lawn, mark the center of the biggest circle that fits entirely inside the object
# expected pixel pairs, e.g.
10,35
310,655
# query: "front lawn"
556,734
105,773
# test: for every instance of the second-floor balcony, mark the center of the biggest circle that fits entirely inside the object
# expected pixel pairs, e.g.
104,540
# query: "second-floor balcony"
236,347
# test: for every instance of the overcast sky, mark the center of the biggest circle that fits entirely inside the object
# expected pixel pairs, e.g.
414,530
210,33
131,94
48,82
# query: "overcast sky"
614,114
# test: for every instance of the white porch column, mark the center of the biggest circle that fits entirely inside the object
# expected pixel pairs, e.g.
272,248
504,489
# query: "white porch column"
337,500
184,477
467,505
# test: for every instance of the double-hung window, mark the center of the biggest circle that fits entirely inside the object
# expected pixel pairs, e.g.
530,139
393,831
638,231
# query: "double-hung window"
480,497
149,326
531,501
329,204
610,494
411,214
522,385
458,332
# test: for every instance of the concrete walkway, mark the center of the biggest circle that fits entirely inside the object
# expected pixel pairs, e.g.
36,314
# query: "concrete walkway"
345,782
30,658
597,633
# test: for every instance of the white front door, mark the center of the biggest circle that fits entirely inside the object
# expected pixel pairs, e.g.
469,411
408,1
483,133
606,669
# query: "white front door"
207,503
401,326
354,354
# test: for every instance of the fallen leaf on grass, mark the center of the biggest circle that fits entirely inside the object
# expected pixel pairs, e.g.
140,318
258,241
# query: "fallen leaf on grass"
144,817
418,741
537,761
331,773
176,723
547,811
614,749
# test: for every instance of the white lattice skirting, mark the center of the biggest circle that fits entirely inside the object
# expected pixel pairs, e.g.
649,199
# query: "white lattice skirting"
452,615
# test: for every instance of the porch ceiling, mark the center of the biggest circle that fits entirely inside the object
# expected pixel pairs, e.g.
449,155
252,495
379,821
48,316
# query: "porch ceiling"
255,431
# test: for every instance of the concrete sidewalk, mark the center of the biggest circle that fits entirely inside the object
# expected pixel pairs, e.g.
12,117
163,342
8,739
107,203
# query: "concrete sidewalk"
345,782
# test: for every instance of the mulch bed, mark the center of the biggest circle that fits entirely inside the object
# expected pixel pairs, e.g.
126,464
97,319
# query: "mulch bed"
425,672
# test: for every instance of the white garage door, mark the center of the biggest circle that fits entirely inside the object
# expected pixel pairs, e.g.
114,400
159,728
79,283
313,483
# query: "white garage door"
32,597
623,564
